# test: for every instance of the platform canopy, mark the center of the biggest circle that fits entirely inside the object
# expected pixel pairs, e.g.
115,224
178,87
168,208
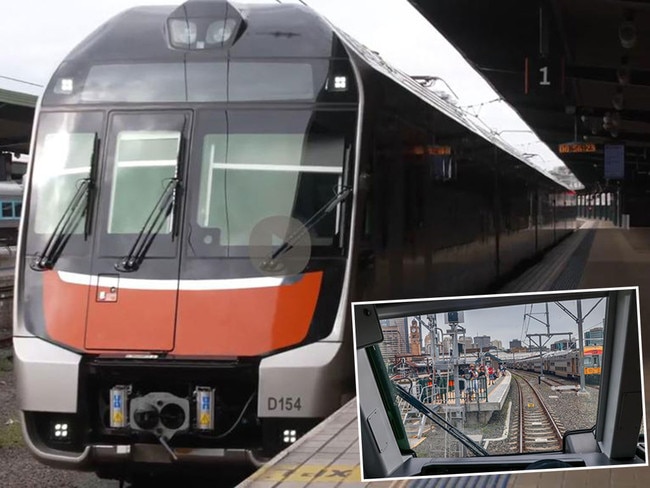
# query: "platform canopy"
16,117
576,71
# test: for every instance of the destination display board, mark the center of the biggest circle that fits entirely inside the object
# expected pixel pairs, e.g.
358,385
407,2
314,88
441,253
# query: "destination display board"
577,147
431,150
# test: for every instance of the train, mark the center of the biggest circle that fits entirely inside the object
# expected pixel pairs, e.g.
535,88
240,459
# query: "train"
565,363
11,204
211,185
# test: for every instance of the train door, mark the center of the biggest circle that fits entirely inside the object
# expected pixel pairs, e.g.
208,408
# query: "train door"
134,285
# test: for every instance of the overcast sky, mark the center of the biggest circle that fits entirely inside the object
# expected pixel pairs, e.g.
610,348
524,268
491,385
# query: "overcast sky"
37,34
507,323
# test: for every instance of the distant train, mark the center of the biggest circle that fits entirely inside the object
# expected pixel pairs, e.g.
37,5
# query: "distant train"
211,186
566,363
11,206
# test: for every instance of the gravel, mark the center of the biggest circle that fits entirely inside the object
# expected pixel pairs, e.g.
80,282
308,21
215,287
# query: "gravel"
570,410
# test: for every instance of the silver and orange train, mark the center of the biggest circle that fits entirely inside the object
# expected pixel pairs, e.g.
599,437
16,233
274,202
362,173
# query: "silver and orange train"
210,187
566,363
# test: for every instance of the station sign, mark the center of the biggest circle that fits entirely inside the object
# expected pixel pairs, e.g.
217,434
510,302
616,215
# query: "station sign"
454,317
543,74
577,147
614,161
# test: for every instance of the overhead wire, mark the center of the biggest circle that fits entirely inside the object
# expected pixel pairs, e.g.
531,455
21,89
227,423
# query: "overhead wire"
20,81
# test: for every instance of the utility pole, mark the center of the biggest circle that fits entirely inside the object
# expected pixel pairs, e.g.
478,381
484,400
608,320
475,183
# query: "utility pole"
582,347
454,332
579,319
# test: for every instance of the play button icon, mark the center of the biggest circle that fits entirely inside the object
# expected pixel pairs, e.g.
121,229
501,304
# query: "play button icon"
280,245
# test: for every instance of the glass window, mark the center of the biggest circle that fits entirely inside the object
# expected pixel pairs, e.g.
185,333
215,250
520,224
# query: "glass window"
271,81
273,164
7,210
144,163
152,82
207,80
18,209
64,160
473,361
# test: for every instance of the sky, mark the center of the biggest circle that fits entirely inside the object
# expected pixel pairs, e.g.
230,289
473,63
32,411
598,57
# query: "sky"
37,34
507,323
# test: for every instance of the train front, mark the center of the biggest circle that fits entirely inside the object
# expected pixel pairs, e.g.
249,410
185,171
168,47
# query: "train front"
184,257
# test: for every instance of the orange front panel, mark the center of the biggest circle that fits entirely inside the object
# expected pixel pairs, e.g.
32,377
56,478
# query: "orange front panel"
245,322
139,320
64,305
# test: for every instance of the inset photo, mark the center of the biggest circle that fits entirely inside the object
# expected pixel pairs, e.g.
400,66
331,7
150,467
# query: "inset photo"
500,383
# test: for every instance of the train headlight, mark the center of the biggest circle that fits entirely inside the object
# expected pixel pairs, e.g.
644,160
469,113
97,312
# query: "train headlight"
204,25
60,431
182,32
340,82
221,31
289,436
337,83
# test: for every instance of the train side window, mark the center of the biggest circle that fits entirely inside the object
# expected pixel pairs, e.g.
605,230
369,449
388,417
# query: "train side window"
18,209
7,210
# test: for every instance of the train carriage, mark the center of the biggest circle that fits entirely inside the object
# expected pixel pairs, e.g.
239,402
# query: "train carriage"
211,185
11,203
566,363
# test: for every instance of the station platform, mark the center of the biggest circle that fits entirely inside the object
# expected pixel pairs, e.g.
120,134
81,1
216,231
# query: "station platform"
481,411
597,255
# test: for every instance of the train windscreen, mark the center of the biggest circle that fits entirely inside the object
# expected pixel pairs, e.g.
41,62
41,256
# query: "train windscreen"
288,163
503,375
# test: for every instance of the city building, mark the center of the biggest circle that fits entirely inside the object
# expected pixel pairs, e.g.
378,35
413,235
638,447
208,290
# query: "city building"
395,338
594,337
482,342
515,344
415,341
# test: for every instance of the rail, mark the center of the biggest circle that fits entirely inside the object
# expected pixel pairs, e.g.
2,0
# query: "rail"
535,421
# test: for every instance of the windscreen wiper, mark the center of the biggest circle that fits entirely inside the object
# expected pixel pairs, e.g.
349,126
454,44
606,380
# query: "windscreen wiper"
477,449
270,262
63,230
150,229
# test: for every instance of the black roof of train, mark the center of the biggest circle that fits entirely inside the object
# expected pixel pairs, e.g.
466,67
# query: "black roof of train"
140,33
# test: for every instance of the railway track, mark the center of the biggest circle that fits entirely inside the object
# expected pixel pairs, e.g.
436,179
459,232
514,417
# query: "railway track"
538,431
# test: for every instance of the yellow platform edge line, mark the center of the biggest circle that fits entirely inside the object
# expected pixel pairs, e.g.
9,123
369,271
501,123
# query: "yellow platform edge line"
334,473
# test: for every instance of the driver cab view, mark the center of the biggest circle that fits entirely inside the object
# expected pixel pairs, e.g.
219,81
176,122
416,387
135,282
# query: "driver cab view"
499,383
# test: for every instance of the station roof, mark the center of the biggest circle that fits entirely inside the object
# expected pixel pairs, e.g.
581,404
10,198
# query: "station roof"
574,71
16,117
